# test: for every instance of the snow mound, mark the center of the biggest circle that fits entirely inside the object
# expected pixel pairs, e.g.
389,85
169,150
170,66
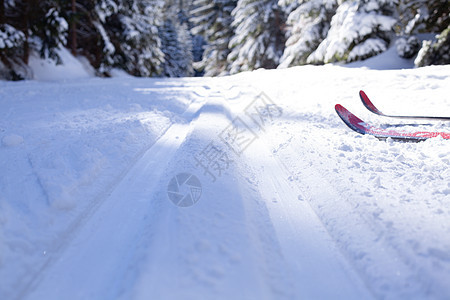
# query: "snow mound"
70,68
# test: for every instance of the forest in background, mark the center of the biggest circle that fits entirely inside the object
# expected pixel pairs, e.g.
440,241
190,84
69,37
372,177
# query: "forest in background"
177,38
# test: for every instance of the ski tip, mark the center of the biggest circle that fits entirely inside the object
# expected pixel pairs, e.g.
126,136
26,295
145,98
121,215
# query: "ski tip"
368,104
363,95
342,112
352,121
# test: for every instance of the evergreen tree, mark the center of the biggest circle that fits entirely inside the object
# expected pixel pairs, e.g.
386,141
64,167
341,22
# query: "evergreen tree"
133,33
87,35
177,48
435,53
29,26
12,40
176,41
258,41
308,23
359,29
407,47
51,30
103,11
117,33
212,19
418,16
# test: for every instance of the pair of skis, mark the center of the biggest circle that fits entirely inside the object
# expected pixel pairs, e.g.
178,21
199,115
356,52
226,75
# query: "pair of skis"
362,127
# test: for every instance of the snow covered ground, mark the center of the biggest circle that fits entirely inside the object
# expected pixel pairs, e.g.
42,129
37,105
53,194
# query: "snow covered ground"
292,203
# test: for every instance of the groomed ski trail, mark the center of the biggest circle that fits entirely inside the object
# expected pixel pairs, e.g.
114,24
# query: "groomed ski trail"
262,236
309,210
107,236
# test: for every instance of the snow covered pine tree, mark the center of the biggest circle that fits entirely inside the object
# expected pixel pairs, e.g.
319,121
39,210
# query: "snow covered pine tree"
27,27
359,29
428,16
134,34
176,41
213,19
11,45
177,48
308,23
435,53
258,41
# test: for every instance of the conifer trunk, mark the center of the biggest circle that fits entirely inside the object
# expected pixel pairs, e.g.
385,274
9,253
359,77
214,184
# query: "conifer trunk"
26,26
73,29
2,12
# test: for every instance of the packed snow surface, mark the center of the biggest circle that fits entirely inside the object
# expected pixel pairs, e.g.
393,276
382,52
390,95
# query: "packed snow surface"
240,187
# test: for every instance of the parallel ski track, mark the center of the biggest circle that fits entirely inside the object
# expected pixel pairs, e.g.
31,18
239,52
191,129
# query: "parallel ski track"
306,245
63,241
301,244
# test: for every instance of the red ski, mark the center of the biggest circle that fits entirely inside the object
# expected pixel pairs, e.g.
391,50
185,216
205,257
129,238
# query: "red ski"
362,127
372,108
